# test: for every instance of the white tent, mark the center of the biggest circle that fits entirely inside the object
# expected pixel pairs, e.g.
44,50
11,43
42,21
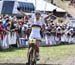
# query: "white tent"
45,6
42,5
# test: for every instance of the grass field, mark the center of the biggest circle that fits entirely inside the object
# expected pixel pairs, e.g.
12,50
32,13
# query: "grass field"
55,54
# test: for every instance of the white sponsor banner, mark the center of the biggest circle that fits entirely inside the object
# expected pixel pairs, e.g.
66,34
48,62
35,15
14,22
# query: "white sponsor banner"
12,38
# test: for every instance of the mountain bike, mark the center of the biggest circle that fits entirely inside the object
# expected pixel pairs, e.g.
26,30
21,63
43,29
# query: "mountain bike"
32,52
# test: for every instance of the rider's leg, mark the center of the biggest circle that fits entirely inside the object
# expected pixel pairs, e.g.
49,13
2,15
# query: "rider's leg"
37,49
37,46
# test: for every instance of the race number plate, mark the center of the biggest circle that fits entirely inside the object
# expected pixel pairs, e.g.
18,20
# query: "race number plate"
32,41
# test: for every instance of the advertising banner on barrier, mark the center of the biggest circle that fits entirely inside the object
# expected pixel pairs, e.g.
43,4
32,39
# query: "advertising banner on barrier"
50,40
12,38
71,22
5,44
23,42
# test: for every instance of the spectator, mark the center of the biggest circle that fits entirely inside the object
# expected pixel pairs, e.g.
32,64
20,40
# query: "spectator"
1,28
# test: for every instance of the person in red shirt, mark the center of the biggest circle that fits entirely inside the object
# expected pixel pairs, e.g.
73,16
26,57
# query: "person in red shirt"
2,30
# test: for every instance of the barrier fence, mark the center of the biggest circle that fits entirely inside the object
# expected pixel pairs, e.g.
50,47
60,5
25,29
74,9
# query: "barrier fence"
48,40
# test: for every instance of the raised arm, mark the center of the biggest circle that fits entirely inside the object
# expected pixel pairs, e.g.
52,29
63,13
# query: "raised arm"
50,14
23,13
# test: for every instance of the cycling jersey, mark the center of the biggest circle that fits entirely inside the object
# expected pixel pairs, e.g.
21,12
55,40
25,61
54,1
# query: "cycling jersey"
36,27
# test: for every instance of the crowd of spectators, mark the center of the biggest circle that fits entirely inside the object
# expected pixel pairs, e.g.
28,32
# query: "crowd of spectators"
12,24
57,31
62,33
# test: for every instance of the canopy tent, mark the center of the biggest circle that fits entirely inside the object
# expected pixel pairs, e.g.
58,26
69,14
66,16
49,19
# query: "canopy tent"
45,6
42,5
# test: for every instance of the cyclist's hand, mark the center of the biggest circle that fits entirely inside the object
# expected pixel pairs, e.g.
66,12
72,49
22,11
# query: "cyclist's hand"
19,9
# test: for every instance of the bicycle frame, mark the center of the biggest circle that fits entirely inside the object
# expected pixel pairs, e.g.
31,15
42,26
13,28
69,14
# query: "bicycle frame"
32,54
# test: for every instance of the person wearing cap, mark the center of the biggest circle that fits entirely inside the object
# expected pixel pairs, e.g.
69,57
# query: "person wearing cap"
36,24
